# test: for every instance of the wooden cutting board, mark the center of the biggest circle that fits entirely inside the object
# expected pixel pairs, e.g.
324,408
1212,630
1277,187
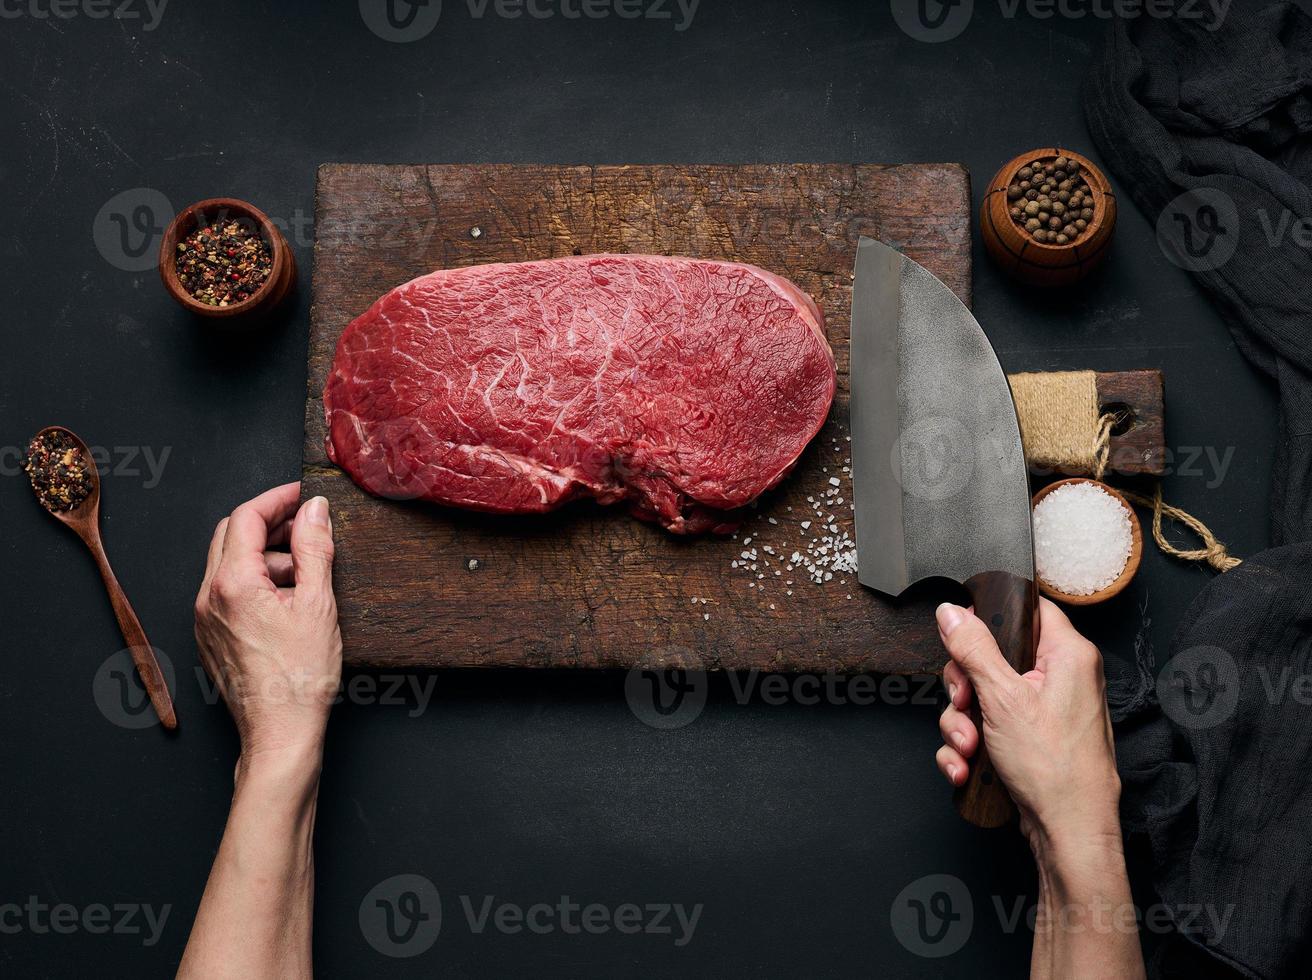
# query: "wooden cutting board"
419,585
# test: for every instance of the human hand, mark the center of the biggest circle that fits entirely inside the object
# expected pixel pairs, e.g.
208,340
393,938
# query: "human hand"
1048,731
266,621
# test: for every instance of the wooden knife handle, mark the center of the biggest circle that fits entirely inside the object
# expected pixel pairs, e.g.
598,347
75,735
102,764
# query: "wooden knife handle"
143,654
1008,605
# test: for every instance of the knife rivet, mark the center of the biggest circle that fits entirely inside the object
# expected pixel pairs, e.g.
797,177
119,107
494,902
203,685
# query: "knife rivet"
996,619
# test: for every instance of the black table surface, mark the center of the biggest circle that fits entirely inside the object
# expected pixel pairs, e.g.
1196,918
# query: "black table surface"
805,833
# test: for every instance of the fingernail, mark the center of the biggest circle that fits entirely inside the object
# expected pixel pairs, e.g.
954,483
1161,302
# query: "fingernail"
316,512
953,772
949,617
952,692
959,741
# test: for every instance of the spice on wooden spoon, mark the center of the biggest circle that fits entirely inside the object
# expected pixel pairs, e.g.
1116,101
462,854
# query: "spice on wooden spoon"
60,472
67,485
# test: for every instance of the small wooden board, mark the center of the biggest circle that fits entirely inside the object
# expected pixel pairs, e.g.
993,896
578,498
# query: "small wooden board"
1138,447
419,585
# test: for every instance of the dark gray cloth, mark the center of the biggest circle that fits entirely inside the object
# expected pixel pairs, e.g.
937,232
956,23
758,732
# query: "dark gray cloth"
1216,776
1206,127
1182,113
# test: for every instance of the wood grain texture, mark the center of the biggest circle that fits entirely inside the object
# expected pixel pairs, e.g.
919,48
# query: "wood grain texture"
1139,450
1008,606
586,586
1137,446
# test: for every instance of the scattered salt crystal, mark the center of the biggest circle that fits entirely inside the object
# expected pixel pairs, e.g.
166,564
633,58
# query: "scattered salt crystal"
835,481
1082,538
772,520
806,525
706,615
473,564
747,540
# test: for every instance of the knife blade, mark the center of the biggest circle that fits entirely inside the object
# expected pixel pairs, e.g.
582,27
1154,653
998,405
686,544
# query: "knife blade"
940,484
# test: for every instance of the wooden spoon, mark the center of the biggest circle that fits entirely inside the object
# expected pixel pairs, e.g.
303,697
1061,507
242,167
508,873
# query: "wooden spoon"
84,519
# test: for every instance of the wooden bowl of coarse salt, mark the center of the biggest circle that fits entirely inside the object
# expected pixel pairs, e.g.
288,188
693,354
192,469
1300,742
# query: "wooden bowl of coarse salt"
1087,541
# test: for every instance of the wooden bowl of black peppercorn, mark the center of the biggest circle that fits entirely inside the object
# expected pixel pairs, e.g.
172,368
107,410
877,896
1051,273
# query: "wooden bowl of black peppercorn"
1028,222
223,259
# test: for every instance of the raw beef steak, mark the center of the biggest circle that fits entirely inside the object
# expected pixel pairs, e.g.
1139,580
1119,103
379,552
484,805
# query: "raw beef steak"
685,388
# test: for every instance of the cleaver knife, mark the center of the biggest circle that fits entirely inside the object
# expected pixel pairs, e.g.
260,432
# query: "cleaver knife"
939,477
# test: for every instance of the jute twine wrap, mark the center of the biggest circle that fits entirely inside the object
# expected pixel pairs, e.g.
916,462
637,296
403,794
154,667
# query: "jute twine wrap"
1059,421
1064,430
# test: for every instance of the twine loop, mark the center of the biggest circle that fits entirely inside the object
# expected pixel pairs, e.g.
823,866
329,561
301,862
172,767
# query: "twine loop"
1213,551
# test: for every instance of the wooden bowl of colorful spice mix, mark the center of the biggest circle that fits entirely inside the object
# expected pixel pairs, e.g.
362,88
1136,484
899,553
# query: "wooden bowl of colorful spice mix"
223,259
1048,217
